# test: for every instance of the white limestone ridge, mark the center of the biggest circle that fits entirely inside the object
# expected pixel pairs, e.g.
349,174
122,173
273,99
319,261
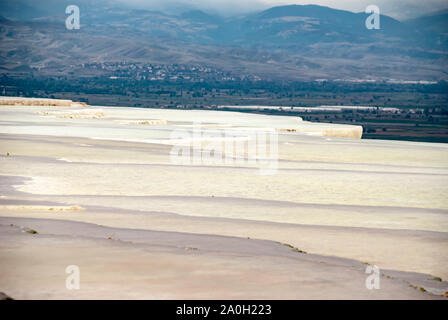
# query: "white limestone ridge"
20,101
161,117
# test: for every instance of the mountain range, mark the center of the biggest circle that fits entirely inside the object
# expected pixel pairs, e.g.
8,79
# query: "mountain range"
304,42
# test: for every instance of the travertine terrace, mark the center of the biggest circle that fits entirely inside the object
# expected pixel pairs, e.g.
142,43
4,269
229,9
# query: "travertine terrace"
100,189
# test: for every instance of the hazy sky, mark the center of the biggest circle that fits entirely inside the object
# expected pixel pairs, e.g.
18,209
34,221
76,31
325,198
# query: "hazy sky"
395,8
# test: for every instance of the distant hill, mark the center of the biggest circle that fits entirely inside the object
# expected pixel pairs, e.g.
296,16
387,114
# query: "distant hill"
308,24
436,22
298,41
